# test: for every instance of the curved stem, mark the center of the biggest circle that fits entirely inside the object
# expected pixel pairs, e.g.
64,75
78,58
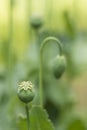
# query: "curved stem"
27,113
44,42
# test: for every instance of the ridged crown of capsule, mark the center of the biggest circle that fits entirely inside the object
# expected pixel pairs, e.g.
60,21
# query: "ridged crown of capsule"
26,91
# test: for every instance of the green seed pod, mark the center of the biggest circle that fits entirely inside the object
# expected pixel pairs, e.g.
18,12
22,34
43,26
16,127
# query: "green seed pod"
36,22
26,91
59,66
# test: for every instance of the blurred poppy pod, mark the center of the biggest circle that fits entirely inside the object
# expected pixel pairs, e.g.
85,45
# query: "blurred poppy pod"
59,66
36,22
26,91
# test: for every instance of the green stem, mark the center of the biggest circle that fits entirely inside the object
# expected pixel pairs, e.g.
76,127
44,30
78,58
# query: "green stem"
49,9
10,30
41,81
29,14
44,42
27,113
9,62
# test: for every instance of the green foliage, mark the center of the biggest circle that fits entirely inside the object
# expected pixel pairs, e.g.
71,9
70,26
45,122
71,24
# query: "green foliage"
58,95
39,119
59,98
21,123
76,124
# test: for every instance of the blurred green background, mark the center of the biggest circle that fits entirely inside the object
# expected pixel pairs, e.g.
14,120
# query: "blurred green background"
23,26
76,9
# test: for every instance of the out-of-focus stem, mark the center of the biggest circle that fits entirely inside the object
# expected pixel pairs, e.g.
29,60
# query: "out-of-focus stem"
29,14
9,65
49,9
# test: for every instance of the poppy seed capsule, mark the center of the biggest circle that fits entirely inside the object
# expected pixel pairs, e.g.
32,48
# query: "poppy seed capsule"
26,91
59,66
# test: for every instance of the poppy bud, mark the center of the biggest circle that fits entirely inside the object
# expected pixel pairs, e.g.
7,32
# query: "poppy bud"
26,91
59,66
36,22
